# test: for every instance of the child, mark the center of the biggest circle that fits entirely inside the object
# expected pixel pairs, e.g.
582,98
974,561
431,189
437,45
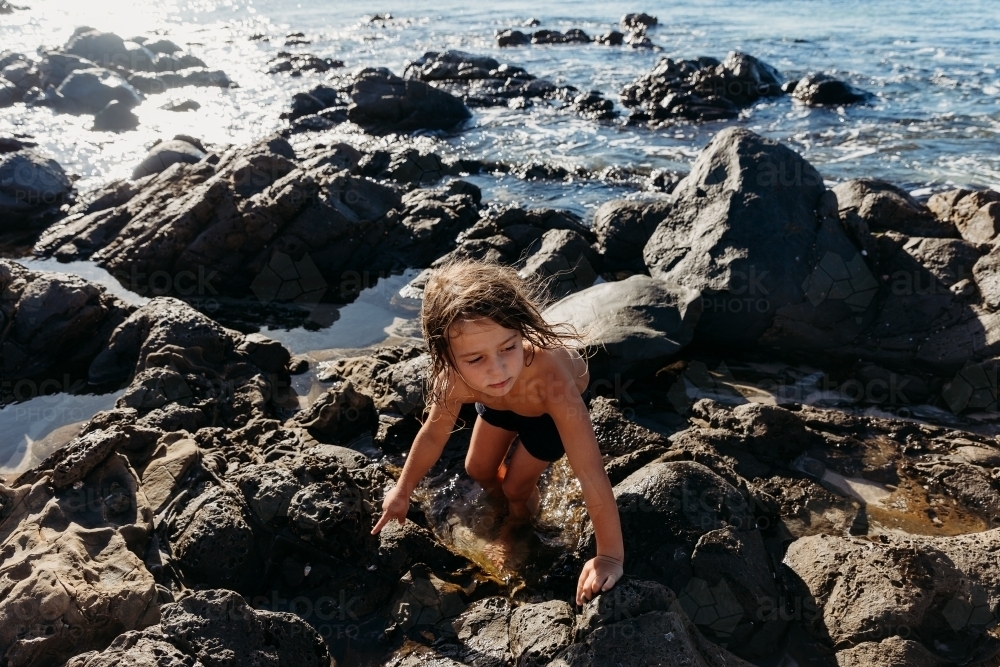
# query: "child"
490,346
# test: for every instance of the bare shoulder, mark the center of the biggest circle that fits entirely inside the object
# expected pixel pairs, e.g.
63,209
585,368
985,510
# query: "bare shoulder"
564,363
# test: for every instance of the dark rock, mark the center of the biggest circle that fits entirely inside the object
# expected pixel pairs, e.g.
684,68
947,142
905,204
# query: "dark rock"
339,415
822,90
152,84
623,227
186,105
641,21
976,214
383,102
613,38
22,74
166,153
539,631
564,262
56,66
115,117
32,189
512,38
105,48
574,36
297,63
718,239
635,324
885,207
702,89
166,62
162,46
91,90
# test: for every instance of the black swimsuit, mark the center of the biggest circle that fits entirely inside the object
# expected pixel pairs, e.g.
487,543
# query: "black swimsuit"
539,435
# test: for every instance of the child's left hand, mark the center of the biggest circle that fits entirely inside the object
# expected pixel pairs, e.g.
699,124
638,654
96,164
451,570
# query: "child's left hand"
599,574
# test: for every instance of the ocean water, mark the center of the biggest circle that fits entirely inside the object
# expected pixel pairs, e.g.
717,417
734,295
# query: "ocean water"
933,69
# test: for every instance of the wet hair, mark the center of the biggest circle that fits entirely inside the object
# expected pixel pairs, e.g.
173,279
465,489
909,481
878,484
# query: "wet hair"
468,289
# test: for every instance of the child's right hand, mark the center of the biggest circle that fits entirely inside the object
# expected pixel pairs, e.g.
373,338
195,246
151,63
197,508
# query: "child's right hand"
395,506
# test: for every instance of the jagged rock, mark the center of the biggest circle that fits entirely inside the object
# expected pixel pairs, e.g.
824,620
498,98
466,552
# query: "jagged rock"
539,631
564,262
162,46
512,38
622,228
943,590
574,36
483,632
383,102
53,323
56,66
32,189
976,214
166,153
823,90
338,415
634,324
636,622
70,579
890,652
718,239
186,105
884,207
700,90
215,628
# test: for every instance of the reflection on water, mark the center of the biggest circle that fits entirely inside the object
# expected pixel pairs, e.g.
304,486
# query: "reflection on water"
33,429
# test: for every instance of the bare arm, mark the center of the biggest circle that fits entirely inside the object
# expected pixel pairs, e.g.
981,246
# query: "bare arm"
424,453
428,445
577,433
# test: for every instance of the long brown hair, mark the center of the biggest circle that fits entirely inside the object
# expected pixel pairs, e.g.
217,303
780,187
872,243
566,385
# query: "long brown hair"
470,289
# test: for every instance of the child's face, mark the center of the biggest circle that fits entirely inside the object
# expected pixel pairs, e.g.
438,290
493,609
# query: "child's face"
488,356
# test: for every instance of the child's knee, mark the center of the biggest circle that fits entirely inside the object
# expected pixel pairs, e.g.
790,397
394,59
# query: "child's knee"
517,490
479,472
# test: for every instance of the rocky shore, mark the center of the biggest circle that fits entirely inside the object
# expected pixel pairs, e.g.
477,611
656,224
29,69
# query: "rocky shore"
215,516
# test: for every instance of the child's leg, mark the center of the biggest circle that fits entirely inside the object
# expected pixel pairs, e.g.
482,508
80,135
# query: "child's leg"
487,450
520,484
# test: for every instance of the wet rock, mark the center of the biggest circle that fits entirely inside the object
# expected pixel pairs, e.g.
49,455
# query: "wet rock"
593,105
56,66
105,48
539,631
152,84
700,90
297,63
885,207
186,105
162,46
383,102
413,654
90,91
54,323
115,117
392,376
824,90
23,76
713,240
9,94
613,38
564,263
33,188
639,21
314,101
623,227
165,62
512,38
574,36
484,82
70,579
634,324
166,153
